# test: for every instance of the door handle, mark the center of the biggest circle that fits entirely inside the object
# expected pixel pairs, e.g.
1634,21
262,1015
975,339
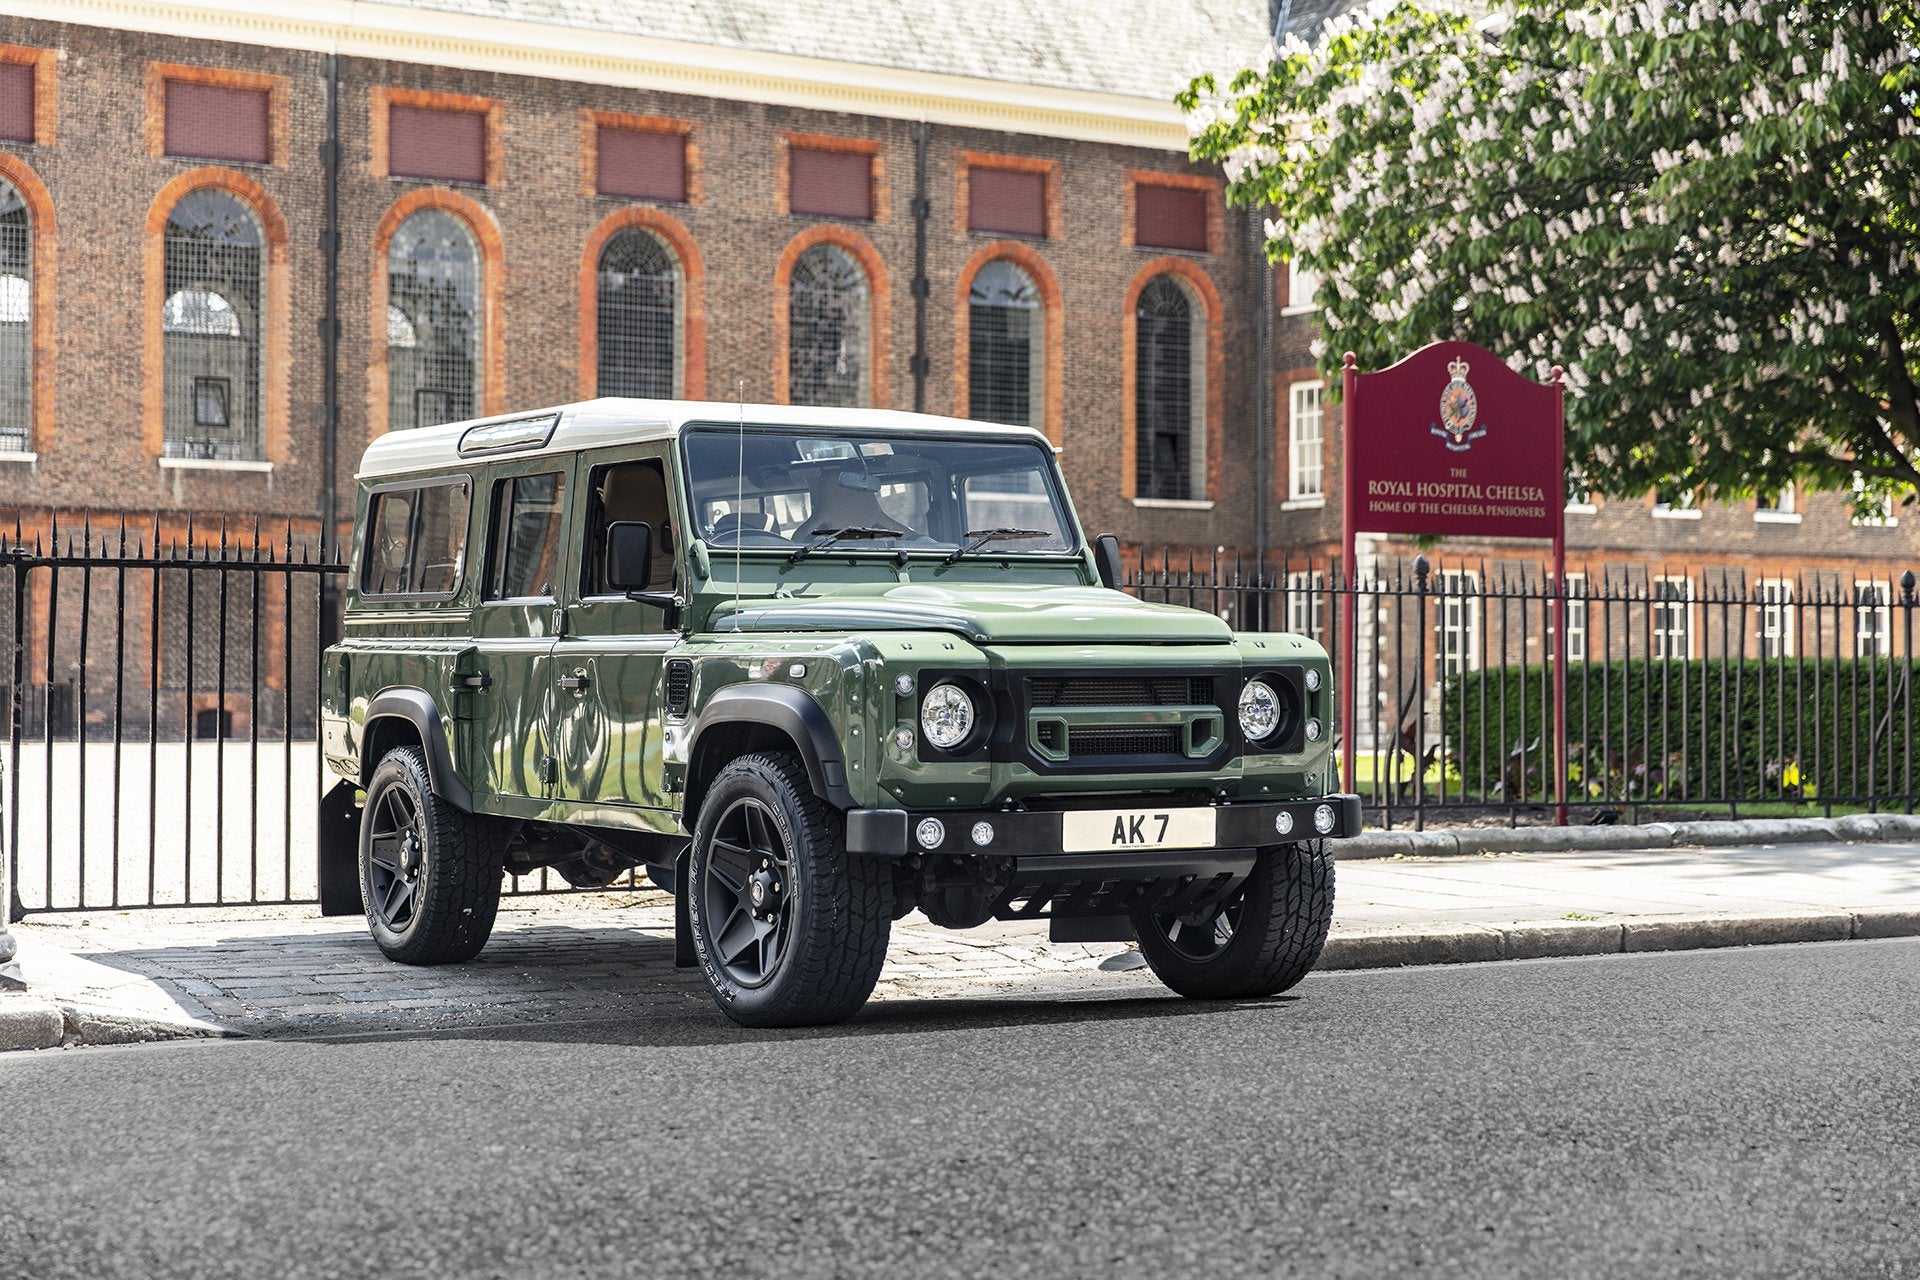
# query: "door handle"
576,682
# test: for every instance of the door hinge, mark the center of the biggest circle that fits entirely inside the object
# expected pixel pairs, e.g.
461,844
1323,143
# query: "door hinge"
549,770
480,681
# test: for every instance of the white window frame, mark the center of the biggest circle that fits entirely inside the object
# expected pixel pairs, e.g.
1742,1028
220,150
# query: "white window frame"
1664,611
1303,286
1574,605
1784,508
1688,508
1580,500
1872,618
1307,603
1776,617
1457,643
1307,443
1883,518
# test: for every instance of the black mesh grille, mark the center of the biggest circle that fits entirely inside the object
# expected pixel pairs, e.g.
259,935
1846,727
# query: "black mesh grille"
1124,740
1121,691
679,686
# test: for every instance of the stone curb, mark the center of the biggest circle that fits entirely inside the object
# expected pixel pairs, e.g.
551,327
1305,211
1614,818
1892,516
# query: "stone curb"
27,1022
1652,835
1465,944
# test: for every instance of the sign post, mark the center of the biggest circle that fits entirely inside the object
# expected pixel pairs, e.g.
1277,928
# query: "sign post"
1451,442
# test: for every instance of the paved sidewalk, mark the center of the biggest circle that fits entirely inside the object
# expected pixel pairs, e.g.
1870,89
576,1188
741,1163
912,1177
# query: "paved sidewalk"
285,971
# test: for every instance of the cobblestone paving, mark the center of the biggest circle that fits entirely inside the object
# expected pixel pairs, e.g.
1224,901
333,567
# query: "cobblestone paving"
280,971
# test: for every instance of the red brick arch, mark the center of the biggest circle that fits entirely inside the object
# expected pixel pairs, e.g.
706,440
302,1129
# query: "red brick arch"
1053,333
879,322
276,358
1214,427
45,248
693,337
493,310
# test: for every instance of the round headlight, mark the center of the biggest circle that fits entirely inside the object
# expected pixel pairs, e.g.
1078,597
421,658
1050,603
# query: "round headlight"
1259,710
946,716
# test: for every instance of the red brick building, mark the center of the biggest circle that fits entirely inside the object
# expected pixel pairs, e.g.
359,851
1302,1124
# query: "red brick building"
238,240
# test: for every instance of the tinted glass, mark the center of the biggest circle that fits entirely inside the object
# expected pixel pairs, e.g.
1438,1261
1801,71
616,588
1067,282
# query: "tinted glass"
414,541
528,512
922,493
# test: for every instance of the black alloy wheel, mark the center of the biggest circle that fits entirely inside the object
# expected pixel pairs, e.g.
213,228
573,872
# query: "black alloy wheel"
429,870
1262,940
396,848
788,928
749,892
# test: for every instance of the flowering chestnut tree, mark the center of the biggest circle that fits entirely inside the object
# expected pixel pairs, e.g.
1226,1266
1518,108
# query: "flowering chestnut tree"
1706,211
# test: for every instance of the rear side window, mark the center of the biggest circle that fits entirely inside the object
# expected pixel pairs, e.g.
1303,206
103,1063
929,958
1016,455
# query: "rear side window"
416,538
528,515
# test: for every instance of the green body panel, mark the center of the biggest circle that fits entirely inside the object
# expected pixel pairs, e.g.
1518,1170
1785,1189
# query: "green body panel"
571,725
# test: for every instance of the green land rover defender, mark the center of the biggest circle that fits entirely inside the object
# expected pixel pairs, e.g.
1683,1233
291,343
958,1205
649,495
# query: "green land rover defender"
813,669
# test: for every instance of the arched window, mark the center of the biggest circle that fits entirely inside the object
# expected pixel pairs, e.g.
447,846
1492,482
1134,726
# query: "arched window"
215,273
1006,353
16,321
829,317
1170,393
433,321
641,321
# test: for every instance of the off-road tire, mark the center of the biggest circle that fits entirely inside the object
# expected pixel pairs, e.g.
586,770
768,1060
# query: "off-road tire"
457,893
1285,909
836,939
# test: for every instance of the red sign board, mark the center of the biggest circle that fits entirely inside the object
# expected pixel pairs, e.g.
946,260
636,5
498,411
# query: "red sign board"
1450,441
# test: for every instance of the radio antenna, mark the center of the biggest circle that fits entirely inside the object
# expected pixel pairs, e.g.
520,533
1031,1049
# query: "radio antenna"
739,496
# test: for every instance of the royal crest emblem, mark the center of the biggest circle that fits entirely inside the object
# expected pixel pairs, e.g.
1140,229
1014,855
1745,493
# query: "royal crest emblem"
1459,426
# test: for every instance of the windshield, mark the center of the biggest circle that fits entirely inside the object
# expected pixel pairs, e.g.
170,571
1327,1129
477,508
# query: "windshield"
863,491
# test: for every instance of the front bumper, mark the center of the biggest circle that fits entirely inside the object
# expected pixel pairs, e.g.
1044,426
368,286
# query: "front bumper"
890,833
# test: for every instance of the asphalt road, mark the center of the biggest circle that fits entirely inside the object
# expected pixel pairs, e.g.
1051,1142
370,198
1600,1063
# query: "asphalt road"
1737,1113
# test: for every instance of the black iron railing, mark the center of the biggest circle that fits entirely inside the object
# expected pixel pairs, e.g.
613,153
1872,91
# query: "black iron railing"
1715,692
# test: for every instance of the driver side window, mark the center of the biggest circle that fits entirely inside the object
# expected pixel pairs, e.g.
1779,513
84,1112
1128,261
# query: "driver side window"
621,491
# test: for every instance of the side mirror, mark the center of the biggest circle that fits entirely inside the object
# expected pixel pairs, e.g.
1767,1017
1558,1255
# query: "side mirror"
629,555
1106,558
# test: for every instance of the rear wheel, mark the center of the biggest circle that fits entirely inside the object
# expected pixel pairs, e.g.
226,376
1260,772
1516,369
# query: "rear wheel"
1259,942
429,871
789,929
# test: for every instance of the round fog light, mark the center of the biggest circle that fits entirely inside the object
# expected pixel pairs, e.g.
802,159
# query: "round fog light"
1313,680
1283,822
1313,731
931,833
903,685
983,834
1323,818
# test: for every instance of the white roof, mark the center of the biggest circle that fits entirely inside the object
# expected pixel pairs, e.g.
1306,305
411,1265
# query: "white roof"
593,423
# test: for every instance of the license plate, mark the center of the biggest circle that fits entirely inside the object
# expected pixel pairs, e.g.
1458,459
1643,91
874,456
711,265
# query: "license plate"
1097,830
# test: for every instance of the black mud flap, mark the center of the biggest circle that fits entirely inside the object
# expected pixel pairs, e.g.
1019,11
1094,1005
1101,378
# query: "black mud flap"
683,953
1090,929
339,853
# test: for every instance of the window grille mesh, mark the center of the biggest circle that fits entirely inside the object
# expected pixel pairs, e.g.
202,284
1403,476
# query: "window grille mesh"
1005,354
1165,392
210,325
16,322
433,321
640,318
829,306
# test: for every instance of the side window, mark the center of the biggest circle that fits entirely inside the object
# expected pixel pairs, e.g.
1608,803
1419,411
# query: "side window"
415,538
527,519
628,491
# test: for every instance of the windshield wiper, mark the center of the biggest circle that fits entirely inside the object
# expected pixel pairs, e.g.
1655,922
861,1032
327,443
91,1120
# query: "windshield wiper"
981,537
830,536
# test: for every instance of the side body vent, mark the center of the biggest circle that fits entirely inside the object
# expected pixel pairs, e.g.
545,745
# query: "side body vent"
679,685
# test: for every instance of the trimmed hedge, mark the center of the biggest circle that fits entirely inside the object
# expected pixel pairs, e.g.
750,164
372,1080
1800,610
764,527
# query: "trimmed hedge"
1704,729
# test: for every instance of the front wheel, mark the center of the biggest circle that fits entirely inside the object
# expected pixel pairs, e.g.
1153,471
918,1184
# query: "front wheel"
789,929
1259,942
